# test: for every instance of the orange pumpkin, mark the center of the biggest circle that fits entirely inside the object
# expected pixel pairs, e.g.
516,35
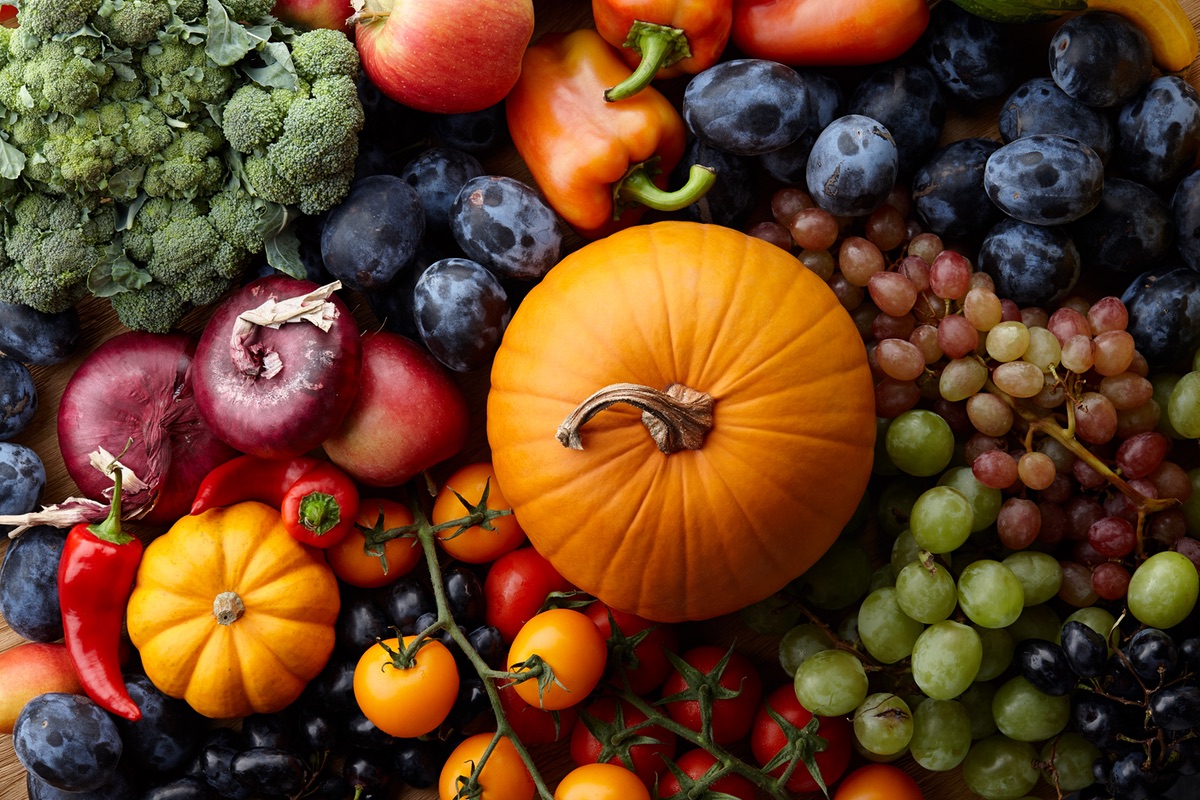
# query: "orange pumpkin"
231,613
767,424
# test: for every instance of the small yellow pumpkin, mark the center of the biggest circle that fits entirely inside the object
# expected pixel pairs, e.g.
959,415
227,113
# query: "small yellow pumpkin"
682,418
231,613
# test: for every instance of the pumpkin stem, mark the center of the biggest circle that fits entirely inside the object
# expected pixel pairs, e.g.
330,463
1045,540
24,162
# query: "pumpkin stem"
228,608
677,418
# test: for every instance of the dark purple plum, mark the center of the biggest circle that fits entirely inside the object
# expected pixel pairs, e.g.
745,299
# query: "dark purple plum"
1044,179
461,312
168,733
826,102
22,478
1130,230
1158,132
852,166
731,196
968,54
29,584
948,191
35,337
119,788
474,132
1032,265
1185,212
370,237
67,741
906,99
437,175
1100,58
1164,314
1039,106
270,771
392,305
506,226
747,106
18,397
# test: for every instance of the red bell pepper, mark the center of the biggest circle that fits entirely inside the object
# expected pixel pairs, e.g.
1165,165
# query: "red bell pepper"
317,501
828,32
96,572
599,164
663,38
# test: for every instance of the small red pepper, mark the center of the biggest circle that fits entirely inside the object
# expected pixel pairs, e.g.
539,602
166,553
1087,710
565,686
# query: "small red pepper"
827,32
95,578
317,501
599,164
662,38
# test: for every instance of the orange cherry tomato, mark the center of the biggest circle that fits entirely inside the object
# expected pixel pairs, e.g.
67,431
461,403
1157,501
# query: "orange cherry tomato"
601,782
475,545
350,559
406,702
504,775
571,645
878,782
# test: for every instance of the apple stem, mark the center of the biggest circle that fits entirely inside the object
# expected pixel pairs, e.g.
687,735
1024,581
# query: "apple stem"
366,17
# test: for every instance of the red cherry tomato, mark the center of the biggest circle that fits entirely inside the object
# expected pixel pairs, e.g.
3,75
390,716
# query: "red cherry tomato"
516,588
531,724
737,690
767,739
637,647
604,735
695,764
878,782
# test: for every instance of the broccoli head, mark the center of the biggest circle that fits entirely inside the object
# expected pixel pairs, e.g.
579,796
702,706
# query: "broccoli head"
188,167
242,219
182,78
251,120
325,53
132,23
44,18
248,10
155,307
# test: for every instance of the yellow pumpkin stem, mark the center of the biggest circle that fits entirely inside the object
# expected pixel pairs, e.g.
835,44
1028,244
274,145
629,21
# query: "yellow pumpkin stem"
677,418
228,608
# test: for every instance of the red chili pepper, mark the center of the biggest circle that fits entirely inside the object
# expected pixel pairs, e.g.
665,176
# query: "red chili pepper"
250,478
95,578
319,509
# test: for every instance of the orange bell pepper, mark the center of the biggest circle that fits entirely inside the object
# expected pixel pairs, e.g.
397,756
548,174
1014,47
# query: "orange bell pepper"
828,32
663,38
599,164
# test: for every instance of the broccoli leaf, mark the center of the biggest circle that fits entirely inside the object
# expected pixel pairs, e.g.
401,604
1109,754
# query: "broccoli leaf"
228,40
277,71
283,253
12,161
116,274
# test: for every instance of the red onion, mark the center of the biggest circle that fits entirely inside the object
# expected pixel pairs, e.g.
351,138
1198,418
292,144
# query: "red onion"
132,397
278,366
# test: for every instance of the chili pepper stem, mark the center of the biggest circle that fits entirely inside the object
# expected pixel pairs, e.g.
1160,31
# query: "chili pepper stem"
637,187
319,512
660,46
109,528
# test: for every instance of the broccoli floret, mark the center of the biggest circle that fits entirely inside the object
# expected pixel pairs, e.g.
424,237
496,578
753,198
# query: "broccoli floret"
132,23
44,18
155,307
263,180
147,132
190,257
248,10
251,120
182,78
188,10
325,53
240,218
188,167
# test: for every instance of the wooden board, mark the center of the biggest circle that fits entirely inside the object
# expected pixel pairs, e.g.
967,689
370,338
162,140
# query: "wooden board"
99,324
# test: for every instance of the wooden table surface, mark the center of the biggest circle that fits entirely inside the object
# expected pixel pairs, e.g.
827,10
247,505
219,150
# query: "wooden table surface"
99,323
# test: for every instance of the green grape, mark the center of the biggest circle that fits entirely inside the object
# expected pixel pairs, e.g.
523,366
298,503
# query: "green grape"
1183,406
1098,619
831,683
1039,573
1035,622
771,616
883,724
1025,713
1163,384
799,643
999,768
941,519
838,579
927,594
1067,761
904,551
1191,506
1162,590
977,700
919,442
887,632
985,501
990,594
941,734
997,652
895,504
946,659
882,576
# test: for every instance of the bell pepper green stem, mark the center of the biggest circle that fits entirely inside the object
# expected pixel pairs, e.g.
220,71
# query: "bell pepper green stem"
319,512
660,46
637,187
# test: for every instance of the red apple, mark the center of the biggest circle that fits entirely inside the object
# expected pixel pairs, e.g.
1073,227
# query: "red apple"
443,56
30,669
310,14
408,415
